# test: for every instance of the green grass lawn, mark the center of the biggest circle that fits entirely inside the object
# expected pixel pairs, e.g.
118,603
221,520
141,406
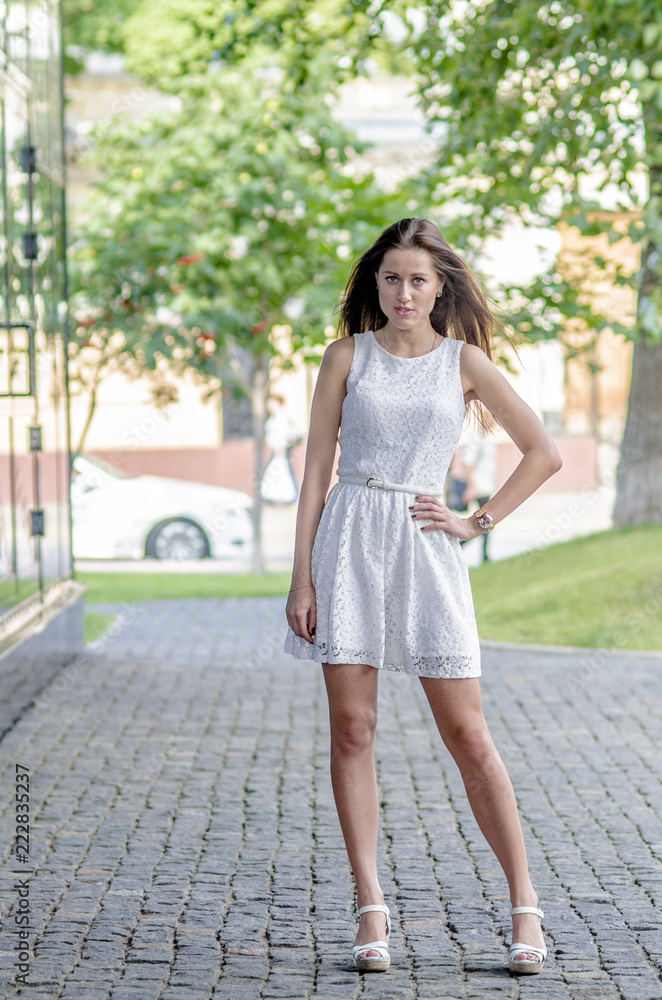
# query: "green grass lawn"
95,625
13,592
601,590
120,587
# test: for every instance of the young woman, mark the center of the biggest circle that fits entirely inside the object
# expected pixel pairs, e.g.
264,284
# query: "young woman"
379,578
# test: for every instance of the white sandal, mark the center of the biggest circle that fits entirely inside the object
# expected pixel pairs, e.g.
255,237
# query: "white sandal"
526,965
373,963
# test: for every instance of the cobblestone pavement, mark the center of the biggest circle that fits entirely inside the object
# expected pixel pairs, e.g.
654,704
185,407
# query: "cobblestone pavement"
184,843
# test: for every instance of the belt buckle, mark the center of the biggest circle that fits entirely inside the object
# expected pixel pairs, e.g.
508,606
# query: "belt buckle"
379,482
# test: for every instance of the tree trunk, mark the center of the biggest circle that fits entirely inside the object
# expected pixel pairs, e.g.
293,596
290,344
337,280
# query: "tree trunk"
639,476
90,412
260,391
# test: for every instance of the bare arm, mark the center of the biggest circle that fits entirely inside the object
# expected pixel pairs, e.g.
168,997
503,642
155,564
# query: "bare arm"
540,458
327,403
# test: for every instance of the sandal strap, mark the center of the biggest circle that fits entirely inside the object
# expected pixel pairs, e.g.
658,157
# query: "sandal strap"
527,909
380,946
381,907
530,949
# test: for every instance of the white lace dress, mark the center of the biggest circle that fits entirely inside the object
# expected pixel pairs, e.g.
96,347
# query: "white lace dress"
388,594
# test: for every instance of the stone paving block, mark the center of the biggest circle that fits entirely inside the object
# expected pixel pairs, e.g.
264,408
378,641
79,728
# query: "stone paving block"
194,993
140,992
82,991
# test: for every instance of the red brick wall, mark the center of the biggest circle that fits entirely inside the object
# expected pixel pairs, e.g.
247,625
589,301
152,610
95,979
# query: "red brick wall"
231,465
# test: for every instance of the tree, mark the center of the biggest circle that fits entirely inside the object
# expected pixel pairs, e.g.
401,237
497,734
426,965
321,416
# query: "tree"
316,42
216,222
543,111
246,190
94,25
165,40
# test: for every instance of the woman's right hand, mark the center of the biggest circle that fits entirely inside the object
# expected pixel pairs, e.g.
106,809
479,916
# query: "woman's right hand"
301,612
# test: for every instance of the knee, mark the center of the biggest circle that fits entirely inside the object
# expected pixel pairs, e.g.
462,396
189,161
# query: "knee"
353,733
470,743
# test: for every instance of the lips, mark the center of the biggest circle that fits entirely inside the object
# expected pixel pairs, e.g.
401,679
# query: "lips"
403,312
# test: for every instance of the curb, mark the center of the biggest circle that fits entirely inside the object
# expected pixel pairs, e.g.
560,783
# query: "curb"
645,654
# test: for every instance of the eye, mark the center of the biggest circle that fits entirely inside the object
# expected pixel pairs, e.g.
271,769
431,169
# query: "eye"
391,277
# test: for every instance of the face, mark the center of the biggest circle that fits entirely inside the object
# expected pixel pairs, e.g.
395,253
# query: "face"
408,286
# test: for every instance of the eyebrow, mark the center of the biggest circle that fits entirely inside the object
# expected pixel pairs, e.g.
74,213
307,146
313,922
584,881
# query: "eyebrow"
417,274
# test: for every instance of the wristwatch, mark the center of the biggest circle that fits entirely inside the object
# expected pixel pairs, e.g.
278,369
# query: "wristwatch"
484,520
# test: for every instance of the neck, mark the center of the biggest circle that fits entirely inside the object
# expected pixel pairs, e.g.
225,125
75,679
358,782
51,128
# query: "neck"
414,341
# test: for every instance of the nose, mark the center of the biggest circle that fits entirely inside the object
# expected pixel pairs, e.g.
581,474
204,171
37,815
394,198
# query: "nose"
404,294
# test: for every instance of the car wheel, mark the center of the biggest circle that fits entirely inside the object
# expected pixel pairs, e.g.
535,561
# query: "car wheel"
177,538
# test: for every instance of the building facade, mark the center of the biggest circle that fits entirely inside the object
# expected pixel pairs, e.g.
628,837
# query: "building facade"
40,605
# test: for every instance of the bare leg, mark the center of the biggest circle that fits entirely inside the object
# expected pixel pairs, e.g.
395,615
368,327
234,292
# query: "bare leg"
456,707
352,693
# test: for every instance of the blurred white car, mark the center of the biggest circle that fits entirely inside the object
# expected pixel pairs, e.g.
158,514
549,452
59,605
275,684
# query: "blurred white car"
117,516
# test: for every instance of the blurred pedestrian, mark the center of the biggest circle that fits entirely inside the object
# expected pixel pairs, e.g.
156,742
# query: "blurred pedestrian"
379,579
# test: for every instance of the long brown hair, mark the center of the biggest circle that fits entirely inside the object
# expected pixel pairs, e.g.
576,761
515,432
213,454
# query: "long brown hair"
462,311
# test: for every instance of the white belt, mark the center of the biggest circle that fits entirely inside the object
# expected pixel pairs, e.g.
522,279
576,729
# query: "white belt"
384,484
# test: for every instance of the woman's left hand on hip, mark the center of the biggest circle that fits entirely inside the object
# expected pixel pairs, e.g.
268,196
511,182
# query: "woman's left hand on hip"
427,508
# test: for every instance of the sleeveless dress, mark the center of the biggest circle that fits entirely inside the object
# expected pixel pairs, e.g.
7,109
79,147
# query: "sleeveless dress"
388,594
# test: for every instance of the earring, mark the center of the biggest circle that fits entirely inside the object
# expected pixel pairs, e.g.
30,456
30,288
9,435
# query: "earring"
439,293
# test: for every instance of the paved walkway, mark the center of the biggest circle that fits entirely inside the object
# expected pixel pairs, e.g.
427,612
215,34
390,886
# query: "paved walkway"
185,845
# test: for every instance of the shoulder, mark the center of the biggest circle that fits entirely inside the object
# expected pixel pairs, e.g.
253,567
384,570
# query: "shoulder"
472,355
342,347
476,371
474,360
338,356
